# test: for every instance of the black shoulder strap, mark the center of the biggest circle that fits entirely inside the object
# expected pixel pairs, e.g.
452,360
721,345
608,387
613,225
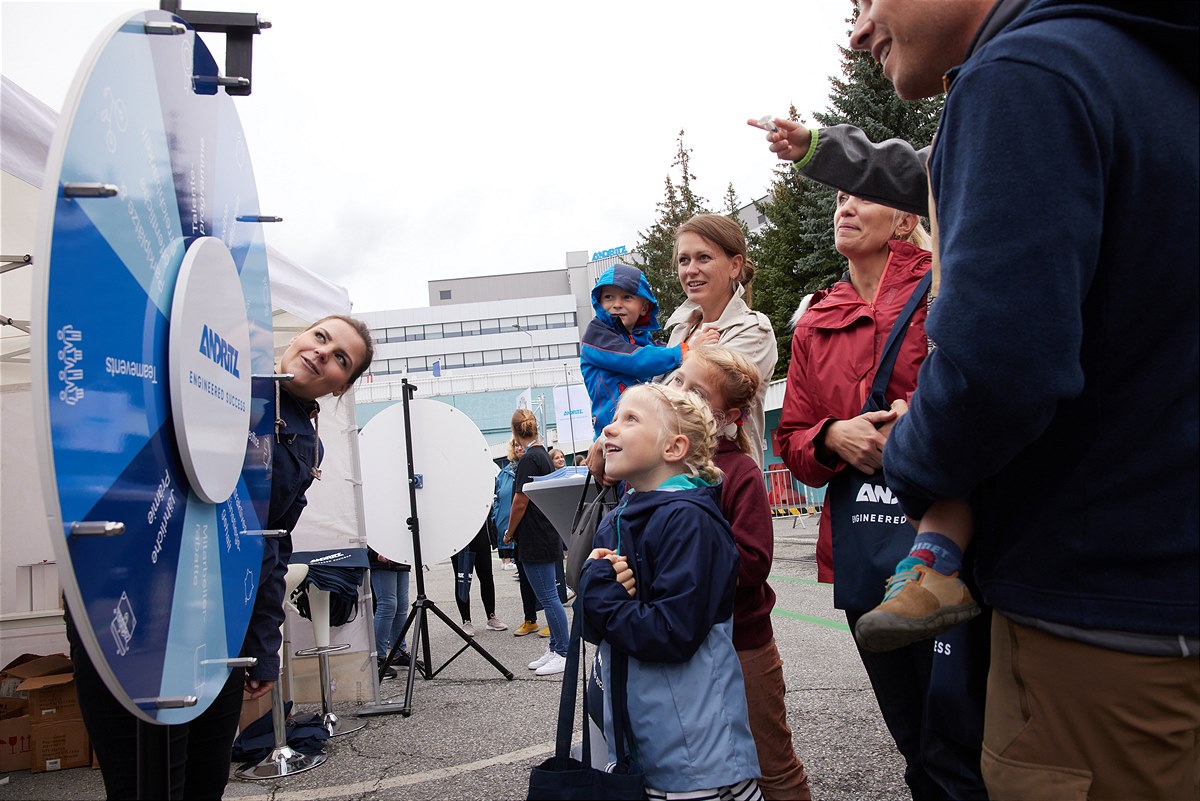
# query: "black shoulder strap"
574,682
891,348
582,500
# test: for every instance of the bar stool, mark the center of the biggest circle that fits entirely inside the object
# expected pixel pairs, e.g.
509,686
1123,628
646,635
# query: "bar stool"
318,609
283,759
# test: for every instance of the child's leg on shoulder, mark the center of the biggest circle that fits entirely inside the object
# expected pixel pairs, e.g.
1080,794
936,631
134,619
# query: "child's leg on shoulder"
924,596
942,535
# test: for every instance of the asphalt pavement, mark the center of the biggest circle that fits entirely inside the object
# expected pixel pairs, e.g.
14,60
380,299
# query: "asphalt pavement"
472,734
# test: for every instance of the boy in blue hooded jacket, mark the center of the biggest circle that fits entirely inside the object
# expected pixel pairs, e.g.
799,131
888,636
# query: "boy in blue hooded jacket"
617,351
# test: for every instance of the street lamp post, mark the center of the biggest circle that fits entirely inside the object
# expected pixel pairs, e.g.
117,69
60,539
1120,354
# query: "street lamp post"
528,334
532,354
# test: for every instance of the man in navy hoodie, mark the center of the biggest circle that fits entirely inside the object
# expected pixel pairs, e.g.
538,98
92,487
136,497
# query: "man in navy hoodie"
1063,398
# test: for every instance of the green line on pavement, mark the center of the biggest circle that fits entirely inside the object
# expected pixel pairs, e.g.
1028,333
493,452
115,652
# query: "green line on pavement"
836,625
793,579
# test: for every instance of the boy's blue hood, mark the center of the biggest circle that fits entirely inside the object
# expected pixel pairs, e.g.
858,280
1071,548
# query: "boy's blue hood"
633,281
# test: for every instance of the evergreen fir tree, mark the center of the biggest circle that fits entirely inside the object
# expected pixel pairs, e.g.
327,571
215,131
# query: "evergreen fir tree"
657,243
732,205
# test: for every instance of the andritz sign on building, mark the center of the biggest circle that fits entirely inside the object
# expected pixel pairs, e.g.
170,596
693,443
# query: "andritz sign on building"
605,254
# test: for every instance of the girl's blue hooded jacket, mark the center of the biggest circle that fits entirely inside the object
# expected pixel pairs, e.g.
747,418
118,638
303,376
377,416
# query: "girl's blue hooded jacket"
613,358
687,700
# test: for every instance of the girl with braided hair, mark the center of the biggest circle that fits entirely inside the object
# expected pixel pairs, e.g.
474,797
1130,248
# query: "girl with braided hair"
728,382
657,595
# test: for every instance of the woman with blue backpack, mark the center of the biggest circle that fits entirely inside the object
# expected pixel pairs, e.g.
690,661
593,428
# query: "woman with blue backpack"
502,503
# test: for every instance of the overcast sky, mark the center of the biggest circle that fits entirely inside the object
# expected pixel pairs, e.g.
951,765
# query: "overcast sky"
407,141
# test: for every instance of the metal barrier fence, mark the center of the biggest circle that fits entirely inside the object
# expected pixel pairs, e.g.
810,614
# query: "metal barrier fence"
788,497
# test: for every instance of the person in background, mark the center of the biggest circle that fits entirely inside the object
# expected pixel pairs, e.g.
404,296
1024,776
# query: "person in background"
538,544
325,359
716,273
728,382
502,503
502,510
477,556
557,458
389,586
822,429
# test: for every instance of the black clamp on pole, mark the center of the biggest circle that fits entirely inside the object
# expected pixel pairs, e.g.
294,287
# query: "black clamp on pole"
239,29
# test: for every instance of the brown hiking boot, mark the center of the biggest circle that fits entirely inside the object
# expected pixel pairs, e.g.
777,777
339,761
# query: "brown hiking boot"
920,603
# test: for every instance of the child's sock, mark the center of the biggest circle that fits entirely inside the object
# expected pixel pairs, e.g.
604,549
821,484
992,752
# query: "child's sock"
938,551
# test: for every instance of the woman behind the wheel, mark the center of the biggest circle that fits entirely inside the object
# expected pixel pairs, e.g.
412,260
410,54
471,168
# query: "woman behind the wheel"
325,359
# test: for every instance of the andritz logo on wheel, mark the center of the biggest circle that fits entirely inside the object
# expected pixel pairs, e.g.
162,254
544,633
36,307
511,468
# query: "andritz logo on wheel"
220,351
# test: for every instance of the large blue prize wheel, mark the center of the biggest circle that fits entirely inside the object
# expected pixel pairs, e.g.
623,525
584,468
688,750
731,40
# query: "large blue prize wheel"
164,605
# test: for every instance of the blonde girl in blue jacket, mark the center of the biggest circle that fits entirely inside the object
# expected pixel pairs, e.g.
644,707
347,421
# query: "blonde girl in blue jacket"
658,590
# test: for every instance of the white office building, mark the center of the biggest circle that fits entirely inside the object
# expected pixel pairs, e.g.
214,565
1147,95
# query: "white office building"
486,343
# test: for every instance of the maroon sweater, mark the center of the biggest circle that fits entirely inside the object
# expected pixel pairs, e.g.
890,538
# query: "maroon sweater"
744,504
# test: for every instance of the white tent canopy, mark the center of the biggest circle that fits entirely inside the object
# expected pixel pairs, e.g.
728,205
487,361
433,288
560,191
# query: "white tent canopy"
299,297
26,128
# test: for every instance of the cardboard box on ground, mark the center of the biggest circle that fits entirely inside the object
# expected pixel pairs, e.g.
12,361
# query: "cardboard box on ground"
41,727
16,739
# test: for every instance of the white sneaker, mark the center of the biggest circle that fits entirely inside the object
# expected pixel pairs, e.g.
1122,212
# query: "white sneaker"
467,628
556,664
494,624
543,659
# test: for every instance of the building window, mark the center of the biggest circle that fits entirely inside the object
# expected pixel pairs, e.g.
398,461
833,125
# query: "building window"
452,329
489,326
444,294
470,328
